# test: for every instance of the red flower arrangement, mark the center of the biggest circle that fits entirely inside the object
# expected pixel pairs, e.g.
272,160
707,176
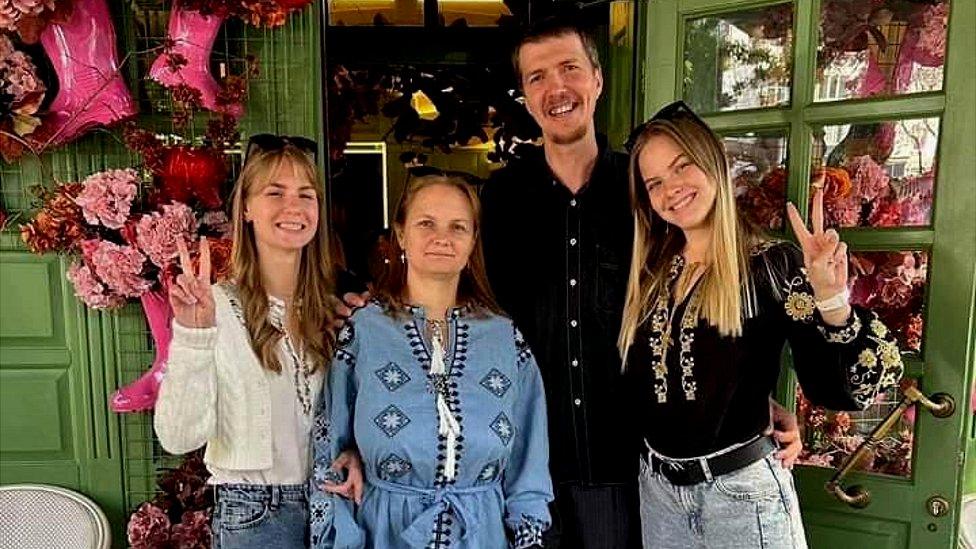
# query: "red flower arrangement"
122,242
892,284
179,515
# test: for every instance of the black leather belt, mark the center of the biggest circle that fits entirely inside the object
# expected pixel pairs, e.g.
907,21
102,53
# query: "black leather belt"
692,471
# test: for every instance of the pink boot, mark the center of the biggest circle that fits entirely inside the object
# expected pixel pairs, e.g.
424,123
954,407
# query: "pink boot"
193,36
91,90
141,394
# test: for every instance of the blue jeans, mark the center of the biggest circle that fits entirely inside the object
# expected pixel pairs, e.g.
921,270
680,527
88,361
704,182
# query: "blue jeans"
753,507
256,516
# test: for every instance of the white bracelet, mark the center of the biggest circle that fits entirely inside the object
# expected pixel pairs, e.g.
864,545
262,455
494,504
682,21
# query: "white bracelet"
834,303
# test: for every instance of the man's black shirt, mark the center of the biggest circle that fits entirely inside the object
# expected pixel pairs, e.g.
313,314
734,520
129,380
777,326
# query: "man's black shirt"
558,264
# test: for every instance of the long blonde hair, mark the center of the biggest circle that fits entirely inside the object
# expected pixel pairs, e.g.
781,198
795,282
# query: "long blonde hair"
311,309
473,288
725,287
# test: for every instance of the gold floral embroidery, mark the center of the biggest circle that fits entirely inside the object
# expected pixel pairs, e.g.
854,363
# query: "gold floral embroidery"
879,328
659,340
868,359
890,355
689,321
844,335
799,305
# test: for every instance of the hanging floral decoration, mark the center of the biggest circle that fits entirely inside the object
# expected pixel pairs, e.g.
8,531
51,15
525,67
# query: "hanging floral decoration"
121,241
27,18
21,95
179,516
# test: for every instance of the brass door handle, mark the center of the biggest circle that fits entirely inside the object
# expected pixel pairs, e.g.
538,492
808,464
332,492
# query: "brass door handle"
940,404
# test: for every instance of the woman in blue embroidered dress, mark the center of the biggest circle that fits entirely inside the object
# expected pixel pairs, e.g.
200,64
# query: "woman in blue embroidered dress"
439,393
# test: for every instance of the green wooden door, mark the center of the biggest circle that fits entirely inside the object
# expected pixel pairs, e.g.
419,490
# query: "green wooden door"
869,91
57,363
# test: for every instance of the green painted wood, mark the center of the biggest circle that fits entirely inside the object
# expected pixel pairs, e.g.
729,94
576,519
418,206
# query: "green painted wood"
897,517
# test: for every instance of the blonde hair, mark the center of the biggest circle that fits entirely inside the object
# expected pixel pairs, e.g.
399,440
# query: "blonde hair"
311,309
473,288
725,287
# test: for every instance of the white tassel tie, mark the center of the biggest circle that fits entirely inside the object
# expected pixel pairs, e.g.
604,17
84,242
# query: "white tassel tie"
448,426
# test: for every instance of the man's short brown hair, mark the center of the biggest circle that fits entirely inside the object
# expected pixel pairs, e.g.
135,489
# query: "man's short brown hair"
554,27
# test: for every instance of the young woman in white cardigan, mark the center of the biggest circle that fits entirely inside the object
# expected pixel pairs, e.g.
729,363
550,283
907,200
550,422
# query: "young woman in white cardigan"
247,358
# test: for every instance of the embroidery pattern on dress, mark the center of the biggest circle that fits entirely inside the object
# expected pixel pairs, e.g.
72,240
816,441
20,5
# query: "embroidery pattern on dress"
391,420
842,334
496,382
799,304
689,321
529,533
393,467
488,473
392,376
502,427
522,347
659,337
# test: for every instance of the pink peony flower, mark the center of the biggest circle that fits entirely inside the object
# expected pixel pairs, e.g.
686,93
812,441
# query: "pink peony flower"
158,233
107,197
119,267
916,200
89,289
886,213
869,179
895,293
216,221
193,531
932,35
149,528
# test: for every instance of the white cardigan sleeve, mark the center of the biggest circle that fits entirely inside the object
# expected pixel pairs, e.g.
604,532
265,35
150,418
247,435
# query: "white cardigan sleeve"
186,410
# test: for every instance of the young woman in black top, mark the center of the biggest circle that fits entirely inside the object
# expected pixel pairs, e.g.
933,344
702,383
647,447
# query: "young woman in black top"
710,303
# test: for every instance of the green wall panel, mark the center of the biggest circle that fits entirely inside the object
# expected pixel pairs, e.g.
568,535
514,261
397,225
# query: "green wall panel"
25,289
43,433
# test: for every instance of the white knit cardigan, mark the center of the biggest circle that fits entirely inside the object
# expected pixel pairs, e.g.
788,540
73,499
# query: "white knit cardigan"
215,392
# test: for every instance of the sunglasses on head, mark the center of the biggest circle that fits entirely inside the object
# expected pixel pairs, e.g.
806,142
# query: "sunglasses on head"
421,171
671,111
269,142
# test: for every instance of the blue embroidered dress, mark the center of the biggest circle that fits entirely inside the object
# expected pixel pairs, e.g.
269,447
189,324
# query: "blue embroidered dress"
382,398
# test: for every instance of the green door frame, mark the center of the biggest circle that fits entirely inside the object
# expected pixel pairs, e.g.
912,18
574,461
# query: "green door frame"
949,344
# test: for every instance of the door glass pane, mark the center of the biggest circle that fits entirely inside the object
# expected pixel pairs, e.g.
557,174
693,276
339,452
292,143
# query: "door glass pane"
758,163
893,284
739,60
878,174
472,13
376,12
829,436
880,48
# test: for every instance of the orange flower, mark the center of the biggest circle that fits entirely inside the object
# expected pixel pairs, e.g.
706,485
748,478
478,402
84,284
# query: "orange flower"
837,183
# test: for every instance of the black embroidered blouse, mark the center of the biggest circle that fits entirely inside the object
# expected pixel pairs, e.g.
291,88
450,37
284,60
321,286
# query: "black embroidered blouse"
704,392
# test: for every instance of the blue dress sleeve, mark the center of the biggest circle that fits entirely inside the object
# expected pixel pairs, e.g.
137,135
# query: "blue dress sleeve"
527,485
332,517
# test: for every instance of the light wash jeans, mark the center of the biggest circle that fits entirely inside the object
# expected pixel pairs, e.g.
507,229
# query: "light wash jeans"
255,516
753,507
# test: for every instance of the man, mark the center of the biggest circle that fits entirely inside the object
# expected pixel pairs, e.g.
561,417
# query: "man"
558,233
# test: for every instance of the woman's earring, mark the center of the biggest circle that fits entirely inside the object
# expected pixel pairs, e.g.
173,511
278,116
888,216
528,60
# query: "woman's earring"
403,257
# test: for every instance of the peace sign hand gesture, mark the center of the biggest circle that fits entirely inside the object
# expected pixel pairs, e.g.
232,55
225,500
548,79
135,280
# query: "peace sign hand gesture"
192,295
824,255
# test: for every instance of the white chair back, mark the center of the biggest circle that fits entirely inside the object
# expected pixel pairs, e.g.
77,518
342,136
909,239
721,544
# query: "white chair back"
38,516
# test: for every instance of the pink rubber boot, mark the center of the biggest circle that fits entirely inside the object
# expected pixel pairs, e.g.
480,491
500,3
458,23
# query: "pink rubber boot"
193,36
141,394
91,89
